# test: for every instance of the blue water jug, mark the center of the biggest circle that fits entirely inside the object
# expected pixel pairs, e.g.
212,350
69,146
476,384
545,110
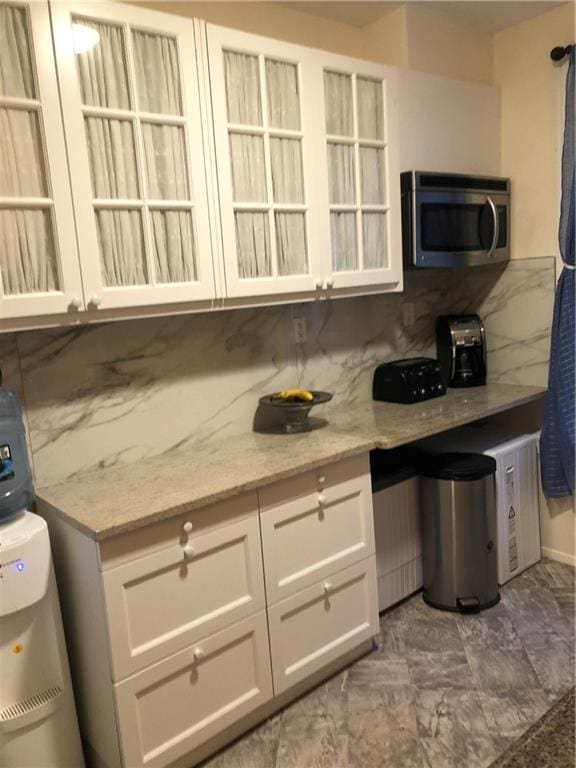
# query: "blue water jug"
16,487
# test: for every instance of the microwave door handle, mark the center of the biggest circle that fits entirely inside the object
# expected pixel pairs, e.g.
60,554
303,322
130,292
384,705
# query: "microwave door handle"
496,226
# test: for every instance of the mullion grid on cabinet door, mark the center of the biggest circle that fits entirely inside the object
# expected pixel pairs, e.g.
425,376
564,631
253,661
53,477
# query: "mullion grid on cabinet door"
378,145
140,162
268,165
31,105
357,177
189,268
102,204
249,128
13,203
264,202
288,134
348,140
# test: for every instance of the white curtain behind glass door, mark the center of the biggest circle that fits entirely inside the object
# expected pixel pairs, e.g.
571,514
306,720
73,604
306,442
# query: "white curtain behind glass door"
27,245
16,76
114,152
157,73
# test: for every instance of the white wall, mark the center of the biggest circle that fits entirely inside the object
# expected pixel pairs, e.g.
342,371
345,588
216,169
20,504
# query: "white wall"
443,45
448,125
531,132
531,129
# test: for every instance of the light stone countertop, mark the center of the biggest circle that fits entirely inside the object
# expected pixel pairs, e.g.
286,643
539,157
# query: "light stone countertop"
119,499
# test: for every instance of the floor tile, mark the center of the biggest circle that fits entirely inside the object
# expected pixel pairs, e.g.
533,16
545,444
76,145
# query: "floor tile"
533,610
440,670
391,637
384,734
449,712
554,575
497,670
436,634
552,657
485,631
380,670
413,608
315,745
474,752
246,753
509,713
327,703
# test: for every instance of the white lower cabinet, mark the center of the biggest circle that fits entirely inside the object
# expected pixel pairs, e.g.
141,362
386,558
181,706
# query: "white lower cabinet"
160,603
315,524
172,707
320,623
175,646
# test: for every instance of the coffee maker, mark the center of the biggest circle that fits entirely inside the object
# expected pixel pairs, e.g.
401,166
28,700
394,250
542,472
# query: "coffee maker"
461,350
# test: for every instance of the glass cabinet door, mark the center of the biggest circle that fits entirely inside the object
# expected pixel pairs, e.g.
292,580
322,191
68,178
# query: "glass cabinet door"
132,115
39,270
264,130
363,183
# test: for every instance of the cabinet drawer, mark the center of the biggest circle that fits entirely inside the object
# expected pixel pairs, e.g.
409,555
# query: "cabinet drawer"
319,624
327,479
310,536
126,547
172,707
160,603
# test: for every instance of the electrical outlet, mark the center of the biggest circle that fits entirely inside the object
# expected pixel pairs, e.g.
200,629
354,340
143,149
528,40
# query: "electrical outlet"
299,330
409,313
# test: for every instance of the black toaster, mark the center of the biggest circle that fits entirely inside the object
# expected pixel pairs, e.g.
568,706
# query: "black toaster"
408,381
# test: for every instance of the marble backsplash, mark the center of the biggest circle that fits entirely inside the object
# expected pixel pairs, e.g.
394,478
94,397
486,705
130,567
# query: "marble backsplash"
113,393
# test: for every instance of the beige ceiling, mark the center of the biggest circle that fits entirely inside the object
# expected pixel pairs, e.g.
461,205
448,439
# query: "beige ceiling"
490,15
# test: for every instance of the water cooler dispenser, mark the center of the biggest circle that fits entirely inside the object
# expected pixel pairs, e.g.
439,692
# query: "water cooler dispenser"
38,725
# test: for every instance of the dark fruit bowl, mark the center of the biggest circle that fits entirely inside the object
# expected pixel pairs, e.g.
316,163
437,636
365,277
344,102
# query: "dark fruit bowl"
296,414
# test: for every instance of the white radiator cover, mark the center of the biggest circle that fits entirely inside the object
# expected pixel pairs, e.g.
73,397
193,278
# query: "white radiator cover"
517,502
398,542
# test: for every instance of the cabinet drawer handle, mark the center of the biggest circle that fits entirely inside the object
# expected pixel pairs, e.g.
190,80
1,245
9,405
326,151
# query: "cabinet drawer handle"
188,550
321,498
187,527
328,587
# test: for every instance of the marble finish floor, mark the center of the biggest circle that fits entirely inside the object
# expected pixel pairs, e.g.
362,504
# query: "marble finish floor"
440,691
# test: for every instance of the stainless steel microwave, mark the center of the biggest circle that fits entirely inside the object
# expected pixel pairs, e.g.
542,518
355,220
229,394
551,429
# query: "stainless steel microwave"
454,220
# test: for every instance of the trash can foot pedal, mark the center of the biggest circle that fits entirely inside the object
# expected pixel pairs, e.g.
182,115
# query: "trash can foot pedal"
468,604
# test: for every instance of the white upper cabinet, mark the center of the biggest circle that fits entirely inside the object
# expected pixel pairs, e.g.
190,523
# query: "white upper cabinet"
361,190
307,155
133,119
147,158
39,271
266,135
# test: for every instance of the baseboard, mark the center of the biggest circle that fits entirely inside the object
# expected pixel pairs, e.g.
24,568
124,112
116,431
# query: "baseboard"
560,557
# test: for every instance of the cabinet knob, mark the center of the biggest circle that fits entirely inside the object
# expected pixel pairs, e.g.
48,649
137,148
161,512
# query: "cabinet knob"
319,285
188,550
321,498
330,283
95,301
197,654
321,479
187,526
328,587
76,302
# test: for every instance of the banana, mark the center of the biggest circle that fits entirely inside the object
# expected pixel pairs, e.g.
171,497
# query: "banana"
294,396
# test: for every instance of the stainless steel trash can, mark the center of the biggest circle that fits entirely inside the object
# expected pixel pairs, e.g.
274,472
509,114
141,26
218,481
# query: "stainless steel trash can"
460,563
